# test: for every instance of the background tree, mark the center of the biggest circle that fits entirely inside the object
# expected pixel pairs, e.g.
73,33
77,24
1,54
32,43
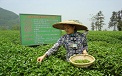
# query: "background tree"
76,21
116,20
15,27
99,21
92,26
119,16
113,20
92,19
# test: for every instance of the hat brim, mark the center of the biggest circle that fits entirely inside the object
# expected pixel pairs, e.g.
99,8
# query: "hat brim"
60,26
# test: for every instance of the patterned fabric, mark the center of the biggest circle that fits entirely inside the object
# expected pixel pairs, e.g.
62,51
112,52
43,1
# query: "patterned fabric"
73,43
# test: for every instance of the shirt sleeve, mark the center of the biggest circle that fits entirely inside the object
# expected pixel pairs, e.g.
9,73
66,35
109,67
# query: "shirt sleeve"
55,46
85,45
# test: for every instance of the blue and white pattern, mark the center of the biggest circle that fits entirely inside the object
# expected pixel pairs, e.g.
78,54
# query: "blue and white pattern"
67,41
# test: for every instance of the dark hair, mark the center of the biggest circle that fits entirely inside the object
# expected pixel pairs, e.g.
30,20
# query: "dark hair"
75,30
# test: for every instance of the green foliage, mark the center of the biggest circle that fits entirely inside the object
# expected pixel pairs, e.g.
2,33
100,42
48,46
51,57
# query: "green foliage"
97,21
116,20
106,36
18,60
82,61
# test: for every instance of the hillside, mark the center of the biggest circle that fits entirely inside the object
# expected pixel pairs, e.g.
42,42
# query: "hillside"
8,19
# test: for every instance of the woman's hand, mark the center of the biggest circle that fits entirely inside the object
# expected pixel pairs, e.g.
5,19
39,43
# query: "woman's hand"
39,59
85,52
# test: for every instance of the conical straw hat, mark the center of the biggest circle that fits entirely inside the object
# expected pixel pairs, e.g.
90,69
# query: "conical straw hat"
60,25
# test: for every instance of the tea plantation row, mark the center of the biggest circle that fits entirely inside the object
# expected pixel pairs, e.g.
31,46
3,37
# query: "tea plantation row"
18,60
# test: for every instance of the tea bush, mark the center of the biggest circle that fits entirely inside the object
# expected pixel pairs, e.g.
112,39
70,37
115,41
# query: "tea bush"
19,60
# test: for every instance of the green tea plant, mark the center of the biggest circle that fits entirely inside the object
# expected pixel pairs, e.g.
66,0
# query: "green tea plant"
82,61
19,60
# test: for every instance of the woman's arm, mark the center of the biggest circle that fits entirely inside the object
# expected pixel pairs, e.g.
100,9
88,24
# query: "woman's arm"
55,46
51,50
85,46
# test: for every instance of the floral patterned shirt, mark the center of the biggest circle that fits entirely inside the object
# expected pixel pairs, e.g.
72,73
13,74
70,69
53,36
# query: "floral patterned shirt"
73,43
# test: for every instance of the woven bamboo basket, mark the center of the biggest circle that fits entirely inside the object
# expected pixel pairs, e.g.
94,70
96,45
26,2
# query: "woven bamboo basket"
82,57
